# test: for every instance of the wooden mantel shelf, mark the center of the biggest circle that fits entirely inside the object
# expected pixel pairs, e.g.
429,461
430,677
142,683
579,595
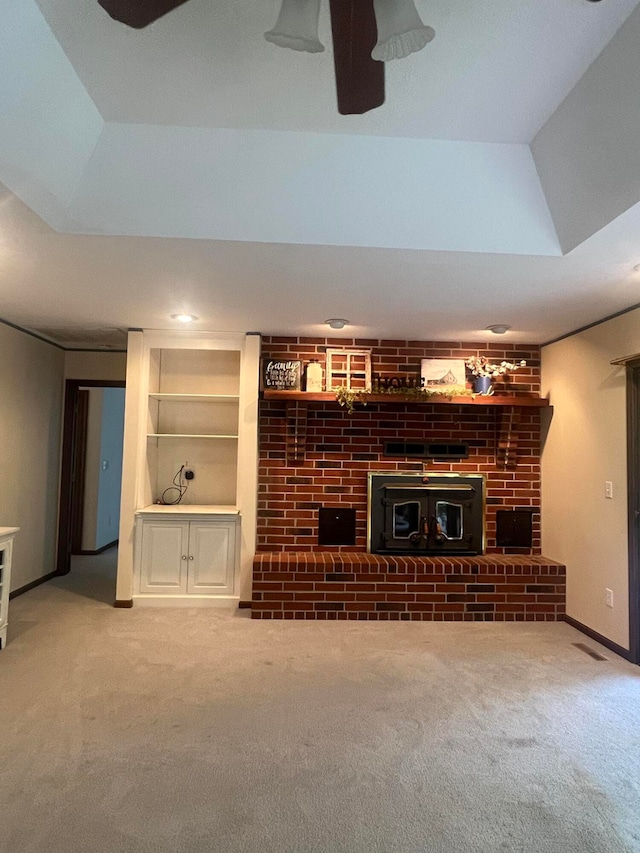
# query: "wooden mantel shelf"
477,400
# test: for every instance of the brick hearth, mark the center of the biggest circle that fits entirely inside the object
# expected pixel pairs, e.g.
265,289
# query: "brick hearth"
367,586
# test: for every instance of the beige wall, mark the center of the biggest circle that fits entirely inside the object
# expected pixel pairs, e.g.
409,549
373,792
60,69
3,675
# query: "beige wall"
31,387
585,446
108,366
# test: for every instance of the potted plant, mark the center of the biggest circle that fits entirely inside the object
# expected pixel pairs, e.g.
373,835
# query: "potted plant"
485,371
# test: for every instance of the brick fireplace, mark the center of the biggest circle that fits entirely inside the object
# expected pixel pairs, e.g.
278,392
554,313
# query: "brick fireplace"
315,455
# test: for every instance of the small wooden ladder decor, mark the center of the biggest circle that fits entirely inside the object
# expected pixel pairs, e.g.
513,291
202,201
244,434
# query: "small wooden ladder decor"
507,444
296,437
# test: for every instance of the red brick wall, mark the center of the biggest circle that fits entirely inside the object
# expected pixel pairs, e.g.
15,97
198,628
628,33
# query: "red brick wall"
342,448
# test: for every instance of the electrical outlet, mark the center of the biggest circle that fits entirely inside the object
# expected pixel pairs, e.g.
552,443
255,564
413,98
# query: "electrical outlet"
608,597
608,489
189,474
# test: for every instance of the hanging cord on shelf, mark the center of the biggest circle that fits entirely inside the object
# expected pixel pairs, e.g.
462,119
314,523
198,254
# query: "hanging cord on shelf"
178,486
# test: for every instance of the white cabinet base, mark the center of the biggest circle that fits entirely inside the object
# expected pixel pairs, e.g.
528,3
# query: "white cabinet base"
187,557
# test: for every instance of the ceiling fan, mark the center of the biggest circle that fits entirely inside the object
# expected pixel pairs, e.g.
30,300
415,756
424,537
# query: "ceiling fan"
365,35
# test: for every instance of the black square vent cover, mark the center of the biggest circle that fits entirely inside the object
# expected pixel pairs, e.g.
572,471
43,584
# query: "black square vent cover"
336,526
514,528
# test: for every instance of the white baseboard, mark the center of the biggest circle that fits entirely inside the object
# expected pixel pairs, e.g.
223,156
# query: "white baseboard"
229,602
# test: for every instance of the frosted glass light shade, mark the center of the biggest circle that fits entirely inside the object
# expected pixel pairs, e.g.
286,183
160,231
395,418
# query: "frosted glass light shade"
297,26
400,30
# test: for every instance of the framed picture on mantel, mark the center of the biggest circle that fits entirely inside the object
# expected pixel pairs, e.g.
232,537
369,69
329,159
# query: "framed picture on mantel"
442,373
281,374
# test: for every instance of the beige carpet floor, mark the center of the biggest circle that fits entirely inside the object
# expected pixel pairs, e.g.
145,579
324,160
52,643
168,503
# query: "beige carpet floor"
126,731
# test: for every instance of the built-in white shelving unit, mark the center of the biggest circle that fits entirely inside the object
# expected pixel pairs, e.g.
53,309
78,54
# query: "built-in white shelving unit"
191,403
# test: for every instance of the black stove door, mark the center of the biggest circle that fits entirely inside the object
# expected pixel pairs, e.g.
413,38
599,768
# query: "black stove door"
429,519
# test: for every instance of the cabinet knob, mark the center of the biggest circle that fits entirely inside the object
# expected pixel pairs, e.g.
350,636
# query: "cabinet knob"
191,558
184,557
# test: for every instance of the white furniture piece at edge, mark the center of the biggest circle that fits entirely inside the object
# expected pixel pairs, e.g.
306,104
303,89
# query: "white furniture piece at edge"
6,547
191,403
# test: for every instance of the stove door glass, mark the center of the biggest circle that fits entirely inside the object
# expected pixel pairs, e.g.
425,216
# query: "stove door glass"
449,517
406,519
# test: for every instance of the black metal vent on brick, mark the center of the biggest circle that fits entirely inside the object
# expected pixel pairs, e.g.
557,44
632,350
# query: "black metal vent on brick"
514,528
427,449
336,526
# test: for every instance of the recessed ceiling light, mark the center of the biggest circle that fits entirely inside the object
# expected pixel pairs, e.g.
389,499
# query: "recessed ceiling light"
184,318
337,323
498,328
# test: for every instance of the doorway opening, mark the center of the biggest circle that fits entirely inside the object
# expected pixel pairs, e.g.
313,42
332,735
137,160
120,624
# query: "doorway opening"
91,475
633,493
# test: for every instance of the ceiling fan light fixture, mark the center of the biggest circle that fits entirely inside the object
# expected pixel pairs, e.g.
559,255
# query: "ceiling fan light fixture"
400,30
499,328
337,323
297,26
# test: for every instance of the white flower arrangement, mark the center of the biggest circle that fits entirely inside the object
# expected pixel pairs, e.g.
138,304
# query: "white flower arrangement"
479,365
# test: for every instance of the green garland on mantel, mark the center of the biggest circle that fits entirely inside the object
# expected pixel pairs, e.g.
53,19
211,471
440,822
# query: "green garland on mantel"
348,397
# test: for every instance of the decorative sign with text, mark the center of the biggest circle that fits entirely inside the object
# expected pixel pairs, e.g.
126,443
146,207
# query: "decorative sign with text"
281,375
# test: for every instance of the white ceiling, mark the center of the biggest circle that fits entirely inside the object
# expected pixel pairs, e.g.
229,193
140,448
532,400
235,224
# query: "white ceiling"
187,167
494,72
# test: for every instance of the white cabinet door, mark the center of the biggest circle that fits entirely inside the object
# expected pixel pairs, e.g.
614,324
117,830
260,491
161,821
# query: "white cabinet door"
212,557
165,552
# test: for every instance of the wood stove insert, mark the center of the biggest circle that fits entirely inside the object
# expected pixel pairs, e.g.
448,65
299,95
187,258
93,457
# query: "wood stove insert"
427,514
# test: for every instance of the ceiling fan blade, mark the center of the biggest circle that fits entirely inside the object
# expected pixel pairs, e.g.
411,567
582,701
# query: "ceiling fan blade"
139,13
359,78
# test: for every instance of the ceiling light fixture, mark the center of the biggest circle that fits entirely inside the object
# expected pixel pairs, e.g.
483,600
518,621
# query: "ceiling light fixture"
184,318
499,328
337,323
